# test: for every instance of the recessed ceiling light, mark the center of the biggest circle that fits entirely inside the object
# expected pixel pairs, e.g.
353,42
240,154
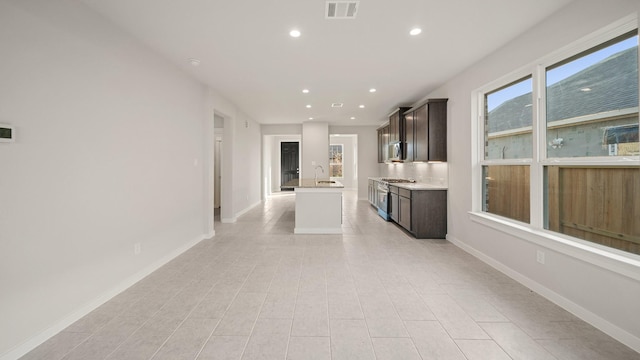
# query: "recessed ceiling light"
194,61
361,106
310,118
372,90
353,118
308,106
305,91
295,33
415,31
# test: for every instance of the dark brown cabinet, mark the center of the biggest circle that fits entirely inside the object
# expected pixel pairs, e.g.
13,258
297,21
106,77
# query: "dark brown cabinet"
409,142
394,210
397,128
404,204
383,142
437,130
394,127
423,213
429,137
420,134
394,132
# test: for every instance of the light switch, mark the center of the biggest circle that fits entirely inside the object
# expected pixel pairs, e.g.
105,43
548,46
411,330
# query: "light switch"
7,133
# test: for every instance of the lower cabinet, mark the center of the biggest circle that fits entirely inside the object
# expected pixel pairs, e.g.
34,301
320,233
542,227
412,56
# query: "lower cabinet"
405,210
393,199
423,213
373,192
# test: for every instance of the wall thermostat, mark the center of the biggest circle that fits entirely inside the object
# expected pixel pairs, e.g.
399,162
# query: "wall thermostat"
7,133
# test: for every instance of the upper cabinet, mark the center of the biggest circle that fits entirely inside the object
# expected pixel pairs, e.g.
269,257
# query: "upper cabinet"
383,142
437,130
409,143
397,125
429,124
421,131
394,127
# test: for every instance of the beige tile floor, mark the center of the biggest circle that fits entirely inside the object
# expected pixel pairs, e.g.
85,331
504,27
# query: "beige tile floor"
256,291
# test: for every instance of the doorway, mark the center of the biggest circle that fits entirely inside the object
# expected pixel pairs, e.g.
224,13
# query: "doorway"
289,162
218,145
217,173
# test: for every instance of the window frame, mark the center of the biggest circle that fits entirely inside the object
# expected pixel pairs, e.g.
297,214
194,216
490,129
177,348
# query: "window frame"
618,260
497,85
332,163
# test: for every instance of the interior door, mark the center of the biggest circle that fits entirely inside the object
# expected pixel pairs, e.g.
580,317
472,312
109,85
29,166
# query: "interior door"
289,162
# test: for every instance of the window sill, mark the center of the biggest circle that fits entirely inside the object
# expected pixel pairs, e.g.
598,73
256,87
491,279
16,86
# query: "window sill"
609,259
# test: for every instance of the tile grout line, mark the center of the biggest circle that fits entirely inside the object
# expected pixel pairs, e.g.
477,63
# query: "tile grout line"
190,312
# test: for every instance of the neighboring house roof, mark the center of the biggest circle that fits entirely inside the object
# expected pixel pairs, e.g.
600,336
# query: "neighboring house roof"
613,83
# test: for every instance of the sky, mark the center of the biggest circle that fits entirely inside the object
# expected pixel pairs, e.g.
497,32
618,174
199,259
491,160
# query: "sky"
559,73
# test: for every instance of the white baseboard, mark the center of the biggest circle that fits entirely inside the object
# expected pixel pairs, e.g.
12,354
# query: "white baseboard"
45,335
602,324
246,210
240,213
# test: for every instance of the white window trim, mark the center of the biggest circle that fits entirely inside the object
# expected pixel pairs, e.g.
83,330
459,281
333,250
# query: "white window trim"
612,259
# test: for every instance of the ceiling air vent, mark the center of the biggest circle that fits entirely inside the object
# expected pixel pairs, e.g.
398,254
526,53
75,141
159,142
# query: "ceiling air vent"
341,9
337,105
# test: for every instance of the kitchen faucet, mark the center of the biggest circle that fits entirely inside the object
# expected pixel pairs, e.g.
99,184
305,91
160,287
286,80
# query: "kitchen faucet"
316,173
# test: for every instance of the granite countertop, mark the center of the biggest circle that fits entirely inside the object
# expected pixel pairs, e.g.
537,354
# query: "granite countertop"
311,183
420,186
415,185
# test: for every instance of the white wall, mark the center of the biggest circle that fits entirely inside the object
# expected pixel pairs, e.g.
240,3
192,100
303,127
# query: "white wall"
349,175
241,172
315,149
246,165
570,277
367,154
367,149
108,137
272,135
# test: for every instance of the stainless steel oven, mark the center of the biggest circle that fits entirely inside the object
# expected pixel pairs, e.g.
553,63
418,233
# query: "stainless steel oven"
382,201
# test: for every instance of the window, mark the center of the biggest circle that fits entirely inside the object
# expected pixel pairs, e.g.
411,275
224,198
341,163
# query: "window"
592,111
335,160
507,136
560,147
509,122
592,102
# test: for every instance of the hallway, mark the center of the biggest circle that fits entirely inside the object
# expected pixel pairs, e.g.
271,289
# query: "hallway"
256,291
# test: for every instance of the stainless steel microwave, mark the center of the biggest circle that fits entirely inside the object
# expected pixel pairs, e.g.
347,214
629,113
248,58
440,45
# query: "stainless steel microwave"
395,151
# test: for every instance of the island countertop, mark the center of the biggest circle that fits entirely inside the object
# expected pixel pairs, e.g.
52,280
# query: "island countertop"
311,183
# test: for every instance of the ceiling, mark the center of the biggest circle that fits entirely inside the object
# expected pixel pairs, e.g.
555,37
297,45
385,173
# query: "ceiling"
247,56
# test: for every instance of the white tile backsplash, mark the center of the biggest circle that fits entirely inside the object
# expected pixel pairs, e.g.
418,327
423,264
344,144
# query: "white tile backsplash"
429,173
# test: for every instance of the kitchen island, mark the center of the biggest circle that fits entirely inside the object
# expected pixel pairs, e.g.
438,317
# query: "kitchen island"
318,206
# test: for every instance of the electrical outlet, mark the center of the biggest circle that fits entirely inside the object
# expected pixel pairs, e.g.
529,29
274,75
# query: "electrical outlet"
137,248
540,256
